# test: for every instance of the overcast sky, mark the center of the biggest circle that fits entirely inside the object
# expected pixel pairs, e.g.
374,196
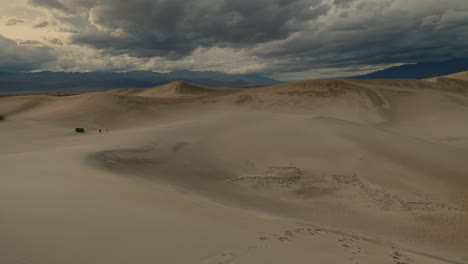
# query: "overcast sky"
283,39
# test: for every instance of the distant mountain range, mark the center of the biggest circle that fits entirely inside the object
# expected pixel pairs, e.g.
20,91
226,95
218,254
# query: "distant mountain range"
64,82
419,70
74,81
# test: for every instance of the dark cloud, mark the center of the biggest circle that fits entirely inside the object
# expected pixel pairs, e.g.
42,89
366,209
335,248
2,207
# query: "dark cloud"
13,21
371,33
55,41
175,28
24,56
51,4
343,2
41,24
283,35
69,30
29,42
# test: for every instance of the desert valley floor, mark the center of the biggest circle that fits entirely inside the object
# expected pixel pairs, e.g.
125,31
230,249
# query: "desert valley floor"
321,171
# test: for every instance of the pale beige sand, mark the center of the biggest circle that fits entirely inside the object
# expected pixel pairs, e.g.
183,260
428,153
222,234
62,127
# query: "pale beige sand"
323,171
460,76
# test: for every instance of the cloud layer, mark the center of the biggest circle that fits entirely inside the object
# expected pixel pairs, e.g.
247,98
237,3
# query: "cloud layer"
266,36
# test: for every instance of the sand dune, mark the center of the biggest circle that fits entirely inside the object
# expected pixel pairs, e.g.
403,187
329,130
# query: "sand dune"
298,167
456,81
180,89
460,76
328,171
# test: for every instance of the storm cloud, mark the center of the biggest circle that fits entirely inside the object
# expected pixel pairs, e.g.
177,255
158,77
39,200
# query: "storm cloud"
176,28
25,56
272,35
375,32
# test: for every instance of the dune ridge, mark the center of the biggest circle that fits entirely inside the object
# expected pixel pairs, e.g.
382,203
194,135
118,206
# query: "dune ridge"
460,76
178,89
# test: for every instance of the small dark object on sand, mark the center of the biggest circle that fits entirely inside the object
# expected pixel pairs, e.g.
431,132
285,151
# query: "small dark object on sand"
2,118
79,130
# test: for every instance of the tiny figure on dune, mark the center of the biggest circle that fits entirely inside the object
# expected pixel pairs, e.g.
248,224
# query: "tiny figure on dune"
100,131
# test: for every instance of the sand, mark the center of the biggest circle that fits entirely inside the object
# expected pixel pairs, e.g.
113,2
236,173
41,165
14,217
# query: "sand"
321,171
460,76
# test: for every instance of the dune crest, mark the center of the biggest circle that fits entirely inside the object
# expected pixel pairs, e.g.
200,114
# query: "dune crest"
460,76
177,89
